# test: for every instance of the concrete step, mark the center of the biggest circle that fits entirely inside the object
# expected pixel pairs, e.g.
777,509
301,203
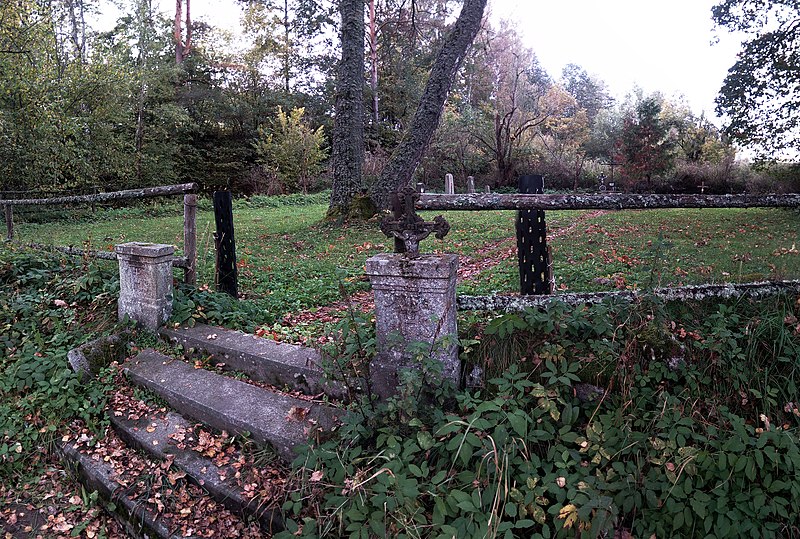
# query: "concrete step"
152,435
99,476
279,364
231,405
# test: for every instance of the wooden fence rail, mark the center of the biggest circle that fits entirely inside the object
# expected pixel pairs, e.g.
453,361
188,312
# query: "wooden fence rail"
188,262
610,201
683,293
490,201
145,192
177,262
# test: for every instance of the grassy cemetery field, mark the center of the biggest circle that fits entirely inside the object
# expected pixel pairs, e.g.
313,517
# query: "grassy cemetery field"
617,419
289,259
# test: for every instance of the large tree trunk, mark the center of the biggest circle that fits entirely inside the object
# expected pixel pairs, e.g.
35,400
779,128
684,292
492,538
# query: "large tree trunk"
182,48
348,128
373,57
409,153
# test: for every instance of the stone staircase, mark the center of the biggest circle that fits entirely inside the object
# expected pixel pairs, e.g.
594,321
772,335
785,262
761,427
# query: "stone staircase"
272,407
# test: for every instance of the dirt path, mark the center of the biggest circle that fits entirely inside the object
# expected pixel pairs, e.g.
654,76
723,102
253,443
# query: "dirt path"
487,257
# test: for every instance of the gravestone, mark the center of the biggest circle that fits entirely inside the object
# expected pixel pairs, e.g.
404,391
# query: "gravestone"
470,184
488,189
415,297
415,302
420,187
534,273
449,185
145,282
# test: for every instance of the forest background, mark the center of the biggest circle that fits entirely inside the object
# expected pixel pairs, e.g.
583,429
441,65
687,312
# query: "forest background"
158,100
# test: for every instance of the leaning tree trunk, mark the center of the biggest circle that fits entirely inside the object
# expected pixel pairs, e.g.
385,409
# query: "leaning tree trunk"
409,152
348,127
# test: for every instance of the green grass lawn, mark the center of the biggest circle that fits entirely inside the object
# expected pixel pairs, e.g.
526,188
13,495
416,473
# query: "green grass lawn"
644,249
290,259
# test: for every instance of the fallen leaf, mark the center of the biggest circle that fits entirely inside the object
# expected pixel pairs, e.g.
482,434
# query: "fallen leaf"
569,514
297,413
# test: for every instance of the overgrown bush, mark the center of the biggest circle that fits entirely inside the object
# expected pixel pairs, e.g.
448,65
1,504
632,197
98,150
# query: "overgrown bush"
291,152
48,306
702,446
202,305
724,177
776,178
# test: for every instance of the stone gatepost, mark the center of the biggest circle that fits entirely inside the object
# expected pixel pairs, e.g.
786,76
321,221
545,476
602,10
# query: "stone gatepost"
145,282
415,301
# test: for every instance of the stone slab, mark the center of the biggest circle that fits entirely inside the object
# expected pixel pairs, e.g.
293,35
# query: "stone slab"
231,405
92,356
151,434
424,267
147,250
98,476
279,364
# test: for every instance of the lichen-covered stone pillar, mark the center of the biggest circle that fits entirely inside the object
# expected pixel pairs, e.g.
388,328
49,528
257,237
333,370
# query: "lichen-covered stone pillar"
415,302
145,282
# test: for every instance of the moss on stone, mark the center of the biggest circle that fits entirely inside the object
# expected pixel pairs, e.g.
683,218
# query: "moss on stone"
360,208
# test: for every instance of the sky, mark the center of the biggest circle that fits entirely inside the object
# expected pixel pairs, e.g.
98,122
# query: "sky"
656,45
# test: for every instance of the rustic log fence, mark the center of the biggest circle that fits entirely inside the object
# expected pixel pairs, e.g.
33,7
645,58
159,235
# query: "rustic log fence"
491,201
611,201
188,262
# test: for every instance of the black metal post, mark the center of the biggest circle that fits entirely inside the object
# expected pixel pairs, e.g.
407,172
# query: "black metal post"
227,273
534,273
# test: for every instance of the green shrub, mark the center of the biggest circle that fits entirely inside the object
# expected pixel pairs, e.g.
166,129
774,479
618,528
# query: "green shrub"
291,152
47,307
660,451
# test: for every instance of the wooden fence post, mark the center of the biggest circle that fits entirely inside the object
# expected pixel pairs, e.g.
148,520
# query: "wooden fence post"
190,238
9,211
226,270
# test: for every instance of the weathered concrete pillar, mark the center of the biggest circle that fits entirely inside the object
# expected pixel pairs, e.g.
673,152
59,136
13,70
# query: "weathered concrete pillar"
470,184
145,282
415,302
449,185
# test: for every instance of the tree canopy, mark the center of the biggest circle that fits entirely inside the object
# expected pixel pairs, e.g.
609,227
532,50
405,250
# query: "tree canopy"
761,93
449,91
